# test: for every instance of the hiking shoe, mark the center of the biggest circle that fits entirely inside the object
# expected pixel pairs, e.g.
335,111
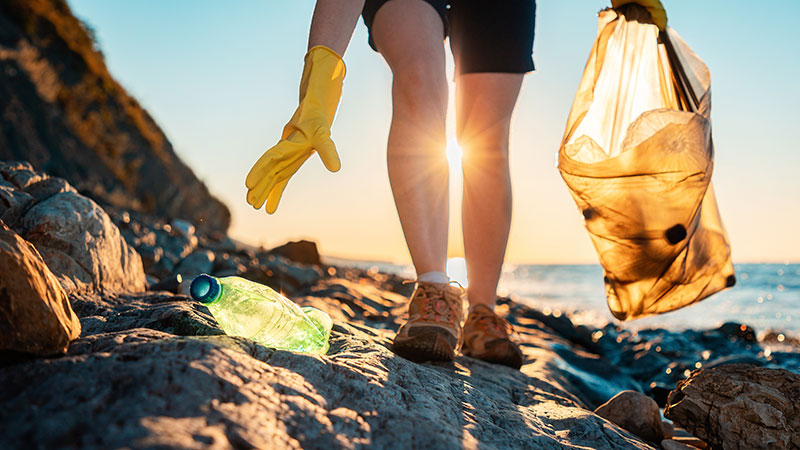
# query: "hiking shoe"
433,329
487,337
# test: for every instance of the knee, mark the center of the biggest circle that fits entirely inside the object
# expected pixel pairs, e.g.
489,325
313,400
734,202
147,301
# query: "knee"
484,143
488,153
420,88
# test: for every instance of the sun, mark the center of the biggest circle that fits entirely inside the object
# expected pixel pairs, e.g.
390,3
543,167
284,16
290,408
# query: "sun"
454,153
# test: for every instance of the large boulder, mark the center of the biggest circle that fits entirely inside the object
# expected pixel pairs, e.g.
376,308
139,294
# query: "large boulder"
634,412
82,246
303,252
739,406
77,239
35,313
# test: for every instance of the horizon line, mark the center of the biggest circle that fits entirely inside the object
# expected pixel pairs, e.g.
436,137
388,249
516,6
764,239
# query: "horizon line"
516,263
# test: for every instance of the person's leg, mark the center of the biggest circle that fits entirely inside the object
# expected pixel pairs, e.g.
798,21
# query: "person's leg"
409,34
484,103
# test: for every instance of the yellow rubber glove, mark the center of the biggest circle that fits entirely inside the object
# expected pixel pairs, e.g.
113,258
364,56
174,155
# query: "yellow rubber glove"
308,130
654,7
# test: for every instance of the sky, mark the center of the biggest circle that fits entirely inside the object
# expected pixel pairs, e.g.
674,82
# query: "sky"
221,79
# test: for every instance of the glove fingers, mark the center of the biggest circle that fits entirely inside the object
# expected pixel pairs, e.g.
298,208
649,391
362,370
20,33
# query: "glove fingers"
261,167
256,196
281,180
274,197
327,152
282,172
279,170
285,149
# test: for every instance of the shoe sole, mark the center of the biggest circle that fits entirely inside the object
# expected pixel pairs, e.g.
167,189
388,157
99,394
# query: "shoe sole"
501,352
427,346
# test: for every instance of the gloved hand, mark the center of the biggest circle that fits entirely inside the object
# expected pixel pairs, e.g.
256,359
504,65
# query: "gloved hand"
308,130
654,7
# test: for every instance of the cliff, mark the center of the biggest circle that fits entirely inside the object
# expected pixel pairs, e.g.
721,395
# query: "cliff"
63,111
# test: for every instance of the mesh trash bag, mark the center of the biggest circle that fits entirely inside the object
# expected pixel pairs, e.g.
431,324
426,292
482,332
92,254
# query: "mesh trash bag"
637,157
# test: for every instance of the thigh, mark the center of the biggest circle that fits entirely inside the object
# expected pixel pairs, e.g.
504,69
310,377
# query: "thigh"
484,103
410,36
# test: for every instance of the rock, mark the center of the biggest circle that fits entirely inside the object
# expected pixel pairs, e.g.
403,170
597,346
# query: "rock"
667,429
634,412
201,261
738,331
739,406
216,390
218,242
48,187
63,111
183,227
164,375
303,252
164,265
8,168
22,176
780,338
281,274
150,257
734,359
669,444
36,314
170,284
659,358
13,202
76,238
81,245
691,441
151,280
230,266
174,314
290,273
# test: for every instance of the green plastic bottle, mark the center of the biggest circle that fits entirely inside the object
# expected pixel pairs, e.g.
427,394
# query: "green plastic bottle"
246,308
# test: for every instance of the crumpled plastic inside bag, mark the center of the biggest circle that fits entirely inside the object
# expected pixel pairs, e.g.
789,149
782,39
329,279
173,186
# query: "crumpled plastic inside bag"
637,157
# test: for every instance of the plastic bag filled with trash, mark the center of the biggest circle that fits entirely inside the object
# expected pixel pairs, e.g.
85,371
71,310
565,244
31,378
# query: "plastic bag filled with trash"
637,157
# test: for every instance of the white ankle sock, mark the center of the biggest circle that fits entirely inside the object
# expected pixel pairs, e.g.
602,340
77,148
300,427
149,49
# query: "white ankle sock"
434,277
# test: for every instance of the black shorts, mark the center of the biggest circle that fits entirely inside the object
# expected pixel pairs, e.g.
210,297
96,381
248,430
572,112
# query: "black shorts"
485,35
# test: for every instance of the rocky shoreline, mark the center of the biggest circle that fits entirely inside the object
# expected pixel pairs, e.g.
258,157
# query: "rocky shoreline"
101,348
151,368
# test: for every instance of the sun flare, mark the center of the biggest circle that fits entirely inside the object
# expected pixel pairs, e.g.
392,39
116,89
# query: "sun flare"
454,153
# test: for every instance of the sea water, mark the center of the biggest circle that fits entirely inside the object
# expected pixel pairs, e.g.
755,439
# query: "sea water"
766,296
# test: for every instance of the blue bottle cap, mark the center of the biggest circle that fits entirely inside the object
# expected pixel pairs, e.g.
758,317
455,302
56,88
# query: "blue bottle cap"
205,289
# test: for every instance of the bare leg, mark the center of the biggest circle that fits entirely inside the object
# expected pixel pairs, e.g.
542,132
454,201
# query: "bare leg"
484,103
409,35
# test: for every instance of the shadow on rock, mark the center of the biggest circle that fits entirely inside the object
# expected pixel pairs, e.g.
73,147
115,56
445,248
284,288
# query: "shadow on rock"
119,388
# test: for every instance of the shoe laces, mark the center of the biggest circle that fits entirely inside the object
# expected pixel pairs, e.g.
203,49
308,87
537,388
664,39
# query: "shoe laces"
436,301
487,321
